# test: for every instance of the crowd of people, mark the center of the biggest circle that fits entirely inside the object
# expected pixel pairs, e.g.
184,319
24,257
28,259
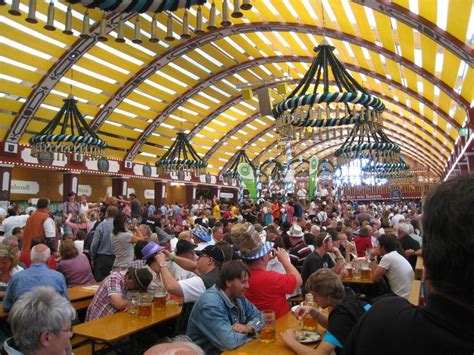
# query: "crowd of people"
230,262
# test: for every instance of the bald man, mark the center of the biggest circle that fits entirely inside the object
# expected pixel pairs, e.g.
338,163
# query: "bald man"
37,274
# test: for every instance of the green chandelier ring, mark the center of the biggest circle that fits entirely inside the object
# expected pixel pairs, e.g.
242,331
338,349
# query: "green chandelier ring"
68,138
384,147
361,98
319,123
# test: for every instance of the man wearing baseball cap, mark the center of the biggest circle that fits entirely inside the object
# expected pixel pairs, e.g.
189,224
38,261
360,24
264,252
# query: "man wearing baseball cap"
207,271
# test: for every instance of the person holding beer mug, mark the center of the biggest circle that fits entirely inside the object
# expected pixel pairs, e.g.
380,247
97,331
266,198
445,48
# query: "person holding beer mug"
328,291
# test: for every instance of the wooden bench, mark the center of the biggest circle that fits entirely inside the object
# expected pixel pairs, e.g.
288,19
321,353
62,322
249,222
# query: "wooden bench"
419,268
415,291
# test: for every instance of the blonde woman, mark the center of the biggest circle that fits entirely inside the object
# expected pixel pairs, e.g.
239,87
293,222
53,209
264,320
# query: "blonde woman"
8,263
82,223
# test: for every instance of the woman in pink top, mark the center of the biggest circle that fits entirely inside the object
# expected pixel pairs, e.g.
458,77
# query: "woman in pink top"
74,265
82,223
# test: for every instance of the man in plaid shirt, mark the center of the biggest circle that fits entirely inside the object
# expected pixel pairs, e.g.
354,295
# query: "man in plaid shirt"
112,293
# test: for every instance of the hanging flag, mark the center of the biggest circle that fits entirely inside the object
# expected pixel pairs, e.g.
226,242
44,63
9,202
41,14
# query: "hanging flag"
313,175
247,176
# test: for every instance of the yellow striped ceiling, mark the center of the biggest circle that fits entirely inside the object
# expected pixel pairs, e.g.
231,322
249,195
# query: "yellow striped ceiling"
422,117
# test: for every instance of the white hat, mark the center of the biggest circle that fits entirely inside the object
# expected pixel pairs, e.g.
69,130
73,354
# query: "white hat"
296,231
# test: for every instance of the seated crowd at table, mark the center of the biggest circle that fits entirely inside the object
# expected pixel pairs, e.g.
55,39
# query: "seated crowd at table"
227,264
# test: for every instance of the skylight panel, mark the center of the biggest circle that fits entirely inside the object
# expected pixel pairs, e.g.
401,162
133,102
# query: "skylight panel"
462,70
281,39
264,68
184,71
210,129
125,113
227,82
312,39
220,91
263,53
222,124
418,57
327,7
436,90
271,8
160,87
442,16
366,53
246,104
93,74
229,154
309,8
148,96
242,132
260,121
470,29
119,54
348,11
145,154
291,9
30,32
232,118
349,49
251,127
167,125
198,104
242,79
298,40
245,37
262,140
238,111
370,16
24,48
234,44
80,85
213,99
187,110
277,66
113,123
106,64
270,135
17,64
209,58
156,134
170,78
234,138
224,160
263,38
10,78
200,66
254,74
136,104
177,118
393,22
413,6
439,62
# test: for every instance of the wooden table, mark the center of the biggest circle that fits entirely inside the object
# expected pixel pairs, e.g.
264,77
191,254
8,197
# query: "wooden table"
419,267
279,347
120,325
350,280
414,295
80,296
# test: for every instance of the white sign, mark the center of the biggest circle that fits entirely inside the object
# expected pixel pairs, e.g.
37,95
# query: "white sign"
149,194
226,195
81,190
24,187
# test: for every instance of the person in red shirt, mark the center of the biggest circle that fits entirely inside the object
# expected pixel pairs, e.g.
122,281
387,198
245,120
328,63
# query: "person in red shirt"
276,213
363,241
267,289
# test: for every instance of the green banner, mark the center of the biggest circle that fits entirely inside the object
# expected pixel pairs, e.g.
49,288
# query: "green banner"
313,175
247,176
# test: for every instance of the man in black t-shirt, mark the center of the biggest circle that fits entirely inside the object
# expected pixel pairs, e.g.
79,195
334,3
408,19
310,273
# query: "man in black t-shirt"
445,324
319,258
409,245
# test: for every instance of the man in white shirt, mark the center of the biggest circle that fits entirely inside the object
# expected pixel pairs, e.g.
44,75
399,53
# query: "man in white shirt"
395,220
13,220
394,266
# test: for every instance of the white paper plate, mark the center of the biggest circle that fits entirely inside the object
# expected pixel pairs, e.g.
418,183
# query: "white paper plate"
310,337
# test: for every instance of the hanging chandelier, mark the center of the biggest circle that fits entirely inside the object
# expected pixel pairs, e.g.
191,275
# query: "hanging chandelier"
342,103
129,8
67,132
181,158
232,172
367,140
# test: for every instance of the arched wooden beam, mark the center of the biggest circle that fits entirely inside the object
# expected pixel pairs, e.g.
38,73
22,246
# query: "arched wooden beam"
38,95
422,25
52,77
134,150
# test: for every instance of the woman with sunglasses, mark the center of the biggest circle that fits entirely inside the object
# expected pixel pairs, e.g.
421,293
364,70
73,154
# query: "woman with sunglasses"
123,240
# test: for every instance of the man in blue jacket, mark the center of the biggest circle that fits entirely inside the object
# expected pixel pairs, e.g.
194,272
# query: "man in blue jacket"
223,318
